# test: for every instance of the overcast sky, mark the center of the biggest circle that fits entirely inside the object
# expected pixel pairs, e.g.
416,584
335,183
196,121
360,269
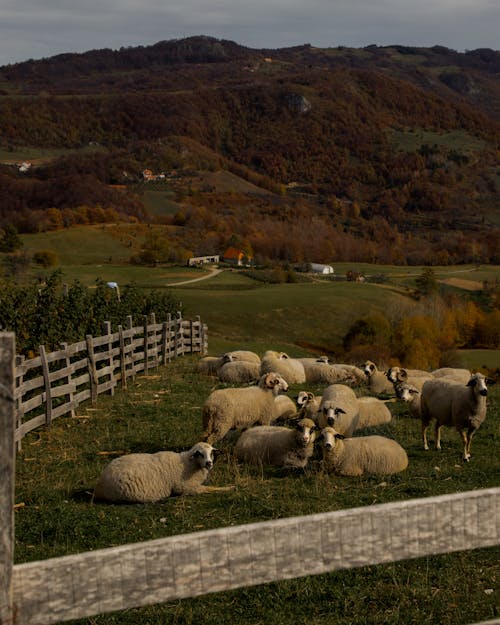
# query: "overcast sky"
33,29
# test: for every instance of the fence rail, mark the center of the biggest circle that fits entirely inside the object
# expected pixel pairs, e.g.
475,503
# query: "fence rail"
54,384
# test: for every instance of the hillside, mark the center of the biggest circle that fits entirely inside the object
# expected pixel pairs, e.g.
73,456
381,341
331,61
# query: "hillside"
299,152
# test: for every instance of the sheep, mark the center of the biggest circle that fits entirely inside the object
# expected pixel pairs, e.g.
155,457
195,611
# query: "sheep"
451,403
149,478
361,455
242,354
236,408
377,380
339,408
286,408
291,369
308,404
320,371
415,377
459,375
411,395
239,372
210,365
277,445
372,411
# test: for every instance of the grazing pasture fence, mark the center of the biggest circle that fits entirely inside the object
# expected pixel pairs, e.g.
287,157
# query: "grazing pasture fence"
134,575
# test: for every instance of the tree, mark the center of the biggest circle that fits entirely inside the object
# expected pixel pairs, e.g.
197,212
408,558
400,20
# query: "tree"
426,282
10,240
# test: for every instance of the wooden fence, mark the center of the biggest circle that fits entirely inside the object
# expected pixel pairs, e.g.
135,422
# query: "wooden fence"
54,384
141,574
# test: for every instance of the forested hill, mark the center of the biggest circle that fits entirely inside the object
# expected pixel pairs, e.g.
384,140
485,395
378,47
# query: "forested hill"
395,144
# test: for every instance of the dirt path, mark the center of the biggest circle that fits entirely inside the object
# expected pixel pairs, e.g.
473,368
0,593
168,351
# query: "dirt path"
213,272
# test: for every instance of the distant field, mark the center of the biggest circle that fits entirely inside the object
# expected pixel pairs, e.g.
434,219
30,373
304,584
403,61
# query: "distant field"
456,140
38,155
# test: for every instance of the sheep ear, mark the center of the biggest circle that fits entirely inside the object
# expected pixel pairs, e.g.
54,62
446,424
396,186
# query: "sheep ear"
472,382
196,454
490,381
340,436
413,391
339,411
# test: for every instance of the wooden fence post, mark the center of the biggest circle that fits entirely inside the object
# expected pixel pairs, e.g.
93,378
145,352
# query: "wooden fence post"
18,399
123,368
92,368
7,468
67,360
48,391
146,363
111,361
169,326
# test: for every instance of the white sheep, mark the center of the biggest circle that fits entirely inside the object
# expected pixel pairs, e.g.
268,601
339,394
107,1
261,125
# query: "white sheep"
372,412
210,365
308,404
148,478
453,373
319,371
362,454
377,380
339,408
291,369
451,403
276,445
286,408
236,408
242,354
415,377
239,372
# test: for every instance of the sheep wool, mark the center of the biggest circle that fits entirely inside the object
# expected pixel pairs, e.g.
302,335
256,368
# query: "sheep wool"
372,412
149,478
339,408
361,455
276,445
236,408
291,369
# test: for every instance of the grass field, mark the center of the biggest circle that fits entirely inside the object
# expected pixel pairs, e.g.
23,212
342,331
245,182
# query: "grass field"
57,468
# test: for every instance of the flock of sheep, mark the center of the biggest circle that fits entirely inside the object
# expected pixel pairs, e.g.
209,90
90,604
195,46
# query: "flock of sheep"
275,430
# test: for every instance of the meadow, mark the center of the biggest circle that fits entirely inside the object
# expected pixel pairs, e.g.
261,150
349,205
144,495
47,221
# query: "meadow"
57,468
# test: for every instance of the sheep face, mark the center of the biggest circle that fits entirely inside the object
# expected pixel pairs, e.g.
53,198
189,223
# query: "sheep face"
306,432
369,368
478,383
407,393
395,374
202,454
331,413
330,438
303,397
274,382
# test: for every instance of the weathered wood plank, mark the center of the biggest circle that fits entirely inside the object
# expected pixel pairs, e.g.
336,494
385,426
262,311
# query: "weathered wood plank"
203,562
7,468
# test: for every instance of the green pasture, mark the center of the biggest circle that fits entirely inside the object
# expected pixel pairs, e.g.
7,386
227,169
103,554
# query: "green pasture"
459,140
30,153
58,467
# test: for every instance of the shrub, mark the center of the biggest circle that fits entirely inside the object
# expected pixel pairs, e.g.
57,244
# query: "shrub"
46,258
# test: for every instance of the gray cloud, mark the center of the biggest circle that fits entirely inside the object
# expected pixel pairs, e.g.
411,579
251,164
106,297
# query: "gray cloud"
41,28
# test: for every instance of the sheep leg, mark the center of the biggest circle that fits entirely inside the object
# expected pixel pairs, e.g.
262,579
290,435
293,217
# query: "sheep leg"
425,426
198,490
437,431
467,438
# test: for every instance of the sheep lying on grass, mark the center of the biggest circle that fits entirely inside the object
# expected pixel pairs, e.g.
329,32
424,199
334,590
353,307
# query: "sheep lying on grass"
242,354
276,445
308,404
239,372
210,365
451,403
148,478
398,375
372,411
377,380
339,408
362,454
291,369
286,409
237,408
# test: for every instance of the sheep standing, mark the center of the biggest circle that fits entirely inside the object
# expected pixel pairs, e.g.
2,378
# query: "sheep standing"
291,369
363,454
372,412
377,380
235,408
148,478
451,403
276,445
461,376
339,408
